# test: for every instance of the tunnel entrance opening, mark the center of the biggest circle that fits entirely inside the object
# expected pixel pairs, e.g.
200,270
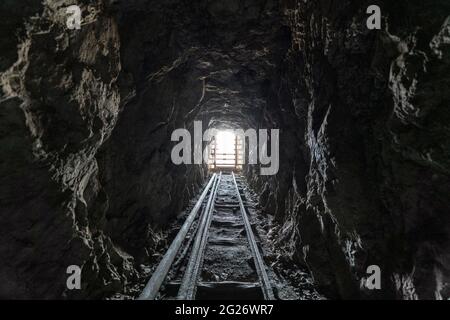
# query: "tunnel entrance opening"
226,152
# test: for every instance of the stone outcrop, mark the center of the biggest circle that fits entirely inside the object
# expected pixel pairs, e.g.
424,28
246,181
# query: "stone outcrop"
368,179
60,101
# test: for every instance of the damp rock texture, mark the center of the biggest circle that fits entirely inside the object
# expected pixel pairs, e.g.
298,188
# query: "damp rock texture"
181,61
364,160
59,103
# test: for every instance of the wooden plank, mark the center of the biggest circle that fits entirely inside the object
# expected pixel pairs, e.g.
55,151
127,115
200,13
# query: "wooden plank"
229,290
221,290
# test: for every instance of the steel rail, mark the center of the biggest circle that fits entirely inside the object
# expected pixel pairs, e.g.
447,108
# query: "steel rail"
151,289
188,285
259,263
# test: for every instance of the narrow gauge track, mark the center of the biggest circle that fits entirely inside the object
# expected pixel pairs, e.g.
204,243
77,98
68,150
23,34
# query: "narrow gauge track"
215,254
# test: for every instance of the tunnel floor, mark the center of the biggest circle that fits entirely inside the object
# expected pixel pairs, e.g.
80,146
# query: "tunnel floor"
227,256
228,270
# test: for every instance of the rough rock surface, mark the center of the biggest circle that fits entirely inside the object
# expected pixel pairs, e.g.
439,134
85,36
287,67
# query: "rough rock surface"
368,179
181,61
59,103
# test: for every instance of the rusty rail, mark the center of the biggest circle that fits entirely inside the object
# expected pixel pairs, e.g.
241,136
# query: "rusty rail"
259,263
190,281
151,289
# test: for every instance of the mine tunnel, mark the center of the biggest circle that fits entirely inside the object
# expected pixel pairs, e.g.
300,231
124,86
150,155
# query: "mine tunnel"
211,149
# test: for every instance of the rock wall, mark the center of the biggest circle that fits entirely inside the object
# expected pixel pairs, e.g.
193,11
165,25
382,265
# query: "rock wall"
368,178
59,103
86,117
182,62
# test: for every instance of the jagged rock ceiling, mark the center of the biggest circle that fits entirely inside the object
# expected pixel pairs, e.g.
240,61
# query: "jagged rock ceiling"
231,49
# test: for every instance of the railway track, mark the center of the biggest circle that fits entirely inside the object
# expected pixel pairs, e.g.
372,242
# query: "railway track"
215,254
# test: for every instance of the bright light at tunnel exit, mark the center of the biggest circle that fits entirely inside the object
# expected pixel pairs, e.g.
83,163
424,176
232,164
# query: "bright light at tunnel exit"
225,141
223,153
